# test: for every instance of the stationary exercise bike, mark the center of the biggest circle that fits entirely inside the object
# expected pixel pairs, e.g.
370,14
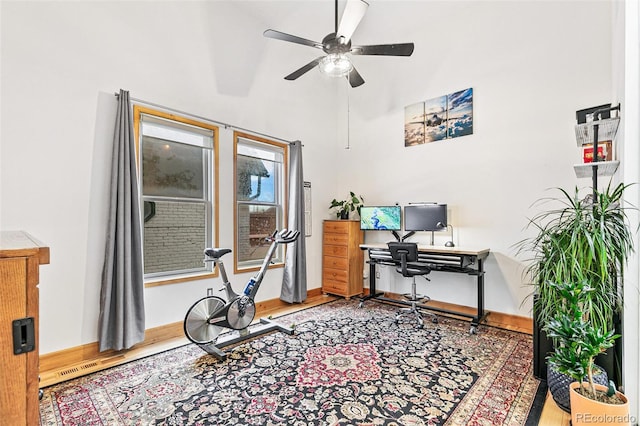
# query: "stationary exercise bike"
209,316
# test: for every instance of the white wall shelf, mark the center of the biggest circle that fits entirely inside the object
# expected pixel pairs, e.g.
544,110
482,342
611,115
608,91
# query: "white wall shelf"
605,168
607,129
594,132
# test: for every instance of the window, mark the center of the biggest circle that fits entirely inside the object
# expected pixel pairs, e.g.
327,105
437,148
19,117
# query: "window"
177,158
260,181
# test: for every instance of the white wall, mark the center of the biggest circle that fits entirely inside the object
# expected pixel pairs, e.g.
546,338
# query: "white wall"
531,65
61,64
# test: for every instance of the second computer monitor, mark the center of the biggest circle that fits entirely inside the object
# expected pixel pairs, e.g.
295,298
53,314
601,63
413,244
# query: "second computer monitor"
425,217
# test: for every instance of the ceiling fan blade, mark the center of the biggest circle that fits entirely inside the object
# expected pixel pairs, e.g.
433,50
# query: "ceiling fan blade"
291,38
353,13
354,77
400,49
297,73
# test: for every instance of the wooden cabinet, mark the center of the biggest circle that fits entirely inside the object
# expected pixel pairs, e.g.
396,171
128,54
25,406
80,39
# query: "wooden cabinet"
342,258
20,258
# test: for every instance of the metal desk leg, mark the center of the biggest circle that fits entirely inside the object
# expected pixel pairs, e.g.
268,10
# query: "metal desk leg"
372,284
475,322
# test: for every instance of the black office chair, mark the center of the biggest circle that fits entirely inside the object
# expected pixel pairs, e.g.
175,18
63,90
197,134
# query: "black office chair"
407,255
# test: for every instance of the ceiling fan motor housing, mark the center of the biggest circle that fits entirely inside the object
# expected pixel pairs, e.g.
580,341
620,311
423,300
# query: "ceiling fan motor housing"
333,44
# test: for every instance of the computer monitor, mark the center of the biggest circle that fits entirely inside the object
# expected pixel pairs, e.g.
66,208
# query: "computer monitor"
381,218
425,217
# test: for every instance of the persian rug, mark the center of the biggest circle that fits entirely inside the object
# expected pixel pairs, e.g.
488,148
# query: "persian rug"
344,365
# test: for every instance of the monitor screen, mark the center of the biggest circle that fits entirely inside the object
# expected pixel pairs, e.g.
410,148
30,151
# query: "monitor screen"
425,217
381,218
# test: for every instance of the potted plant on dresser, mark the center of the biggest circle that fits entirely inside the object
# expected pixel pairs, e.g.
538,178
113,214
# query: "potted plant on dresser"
577,343
578,239
344,207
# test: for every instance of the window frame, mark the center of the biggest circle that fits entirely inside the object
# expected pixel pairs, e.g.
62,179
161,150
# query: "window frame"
211,222
283,195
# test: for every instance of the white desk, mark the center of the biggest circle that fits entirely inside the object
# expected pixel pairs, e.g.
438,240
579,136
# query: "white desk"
440,258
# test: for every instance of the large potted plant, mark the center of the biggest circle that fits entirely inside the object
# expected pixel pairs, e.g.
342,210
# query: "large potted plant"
577,343
578,239
344,207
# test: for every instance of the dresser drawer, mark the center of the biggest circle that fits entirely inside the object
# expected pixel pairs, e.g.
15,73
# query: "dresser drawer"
336,239
329,274
335,262
337,226
337,251
335,287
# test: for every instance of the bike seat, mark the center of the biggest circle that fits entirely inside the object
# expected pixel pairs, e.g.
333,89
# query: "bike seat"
216,253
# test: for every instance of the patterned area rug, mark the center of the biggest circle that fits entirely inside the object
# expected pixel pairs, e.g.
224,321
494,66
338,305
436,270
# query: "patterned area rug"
344,365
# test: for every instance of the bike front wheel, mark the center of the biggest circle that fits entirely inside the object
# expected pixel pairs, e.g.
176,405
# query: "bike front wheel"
197,326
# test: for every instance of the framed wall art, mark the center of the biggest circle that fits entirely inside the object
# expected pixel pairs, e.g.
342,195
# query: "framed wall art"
445,117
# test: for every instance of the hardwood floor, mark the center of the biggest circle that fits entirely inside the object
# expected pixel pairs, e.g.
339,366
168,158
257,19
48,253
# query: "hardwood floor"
551,414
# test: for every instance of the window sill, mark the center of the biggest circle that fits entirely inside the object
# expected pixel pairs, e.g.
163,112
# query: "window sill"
176,279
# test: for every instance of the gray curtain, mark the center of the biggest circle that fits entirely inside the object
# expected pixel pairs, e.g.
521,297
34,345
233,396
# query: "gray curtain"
121,323
294,282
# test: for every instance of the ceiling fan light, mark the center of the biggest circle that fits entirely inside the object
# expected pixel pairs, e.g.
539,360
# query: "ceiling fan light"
335,65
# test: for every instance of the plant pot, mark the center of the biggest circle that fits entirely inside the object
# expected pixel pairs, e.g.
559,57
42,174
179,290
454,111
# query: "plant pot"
558,384
344,215
587,411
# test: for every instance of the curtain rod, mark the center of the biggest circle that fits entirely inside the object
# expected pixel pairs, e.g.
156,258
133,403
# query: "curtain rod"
220,123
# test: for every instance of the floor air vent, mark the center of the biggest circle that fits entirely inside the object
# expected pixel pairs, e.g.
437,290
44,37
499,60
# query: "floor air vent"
78,369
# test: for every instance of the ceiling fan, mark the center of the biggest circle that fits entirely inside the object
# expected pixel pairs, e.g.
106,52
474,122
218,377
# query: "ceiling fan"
337,44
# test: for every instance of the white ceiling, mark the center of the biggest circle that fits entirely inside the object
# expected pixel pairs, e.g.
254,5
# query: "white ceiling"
385,22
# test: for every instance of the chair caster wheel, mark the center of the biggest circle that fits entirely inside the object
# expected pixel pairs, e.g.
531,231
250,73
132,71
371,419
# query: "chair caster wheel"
434,320
360,305
473,330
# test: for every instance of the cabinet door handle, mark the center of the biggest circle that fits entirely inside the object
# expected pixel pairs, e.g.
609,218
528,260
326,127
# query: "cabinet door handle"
24,336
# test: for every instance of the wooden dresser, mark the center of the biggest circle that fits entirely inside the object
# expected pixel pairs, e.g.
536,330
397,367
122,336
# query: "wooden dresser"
342,259
20,258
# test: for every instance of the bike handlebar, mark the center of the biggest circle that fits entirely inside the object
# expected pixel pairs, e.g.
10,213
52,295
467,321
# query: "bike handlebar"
285,236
